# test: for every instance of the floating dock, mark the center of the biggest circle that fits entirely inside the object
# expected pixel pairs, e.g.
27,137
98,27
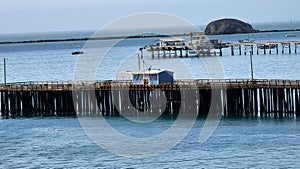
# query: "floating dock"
236,98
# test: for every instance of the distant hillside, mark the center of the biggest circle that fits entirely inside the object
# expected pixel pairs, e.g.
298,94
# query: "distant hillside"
228,26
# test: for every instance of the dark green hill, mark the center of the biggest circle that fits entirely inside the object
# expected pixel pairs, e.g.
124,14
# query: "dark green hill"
228,26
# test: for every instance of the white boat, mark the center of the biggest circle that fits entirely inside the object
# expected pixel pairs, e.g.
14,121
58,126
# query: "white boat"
290,35
246,41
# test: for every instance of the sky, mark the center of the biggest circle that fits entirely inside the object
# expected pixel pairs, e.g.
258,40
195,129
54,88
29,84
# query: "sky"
19,16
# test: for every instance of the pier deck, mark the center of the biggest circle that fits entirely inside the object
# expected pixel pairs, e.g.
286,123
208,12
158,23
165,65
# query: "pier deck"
234,98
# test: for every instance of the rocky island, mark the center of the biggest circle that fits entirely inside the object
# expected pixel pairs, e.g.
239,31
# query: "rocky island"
228,26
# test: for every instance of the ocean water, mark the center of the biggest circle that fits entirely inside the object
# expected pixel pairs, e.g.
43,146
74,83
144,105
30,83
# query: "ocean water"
63,142
54,62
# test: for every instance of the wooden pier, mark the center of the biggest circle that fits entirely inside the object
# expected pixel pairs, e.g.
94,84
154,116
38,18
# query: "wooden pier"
236,98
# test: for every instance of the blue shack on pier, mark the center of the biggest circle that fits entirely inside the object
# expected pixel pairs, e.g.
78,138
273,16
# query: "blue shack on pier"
147,77
152,77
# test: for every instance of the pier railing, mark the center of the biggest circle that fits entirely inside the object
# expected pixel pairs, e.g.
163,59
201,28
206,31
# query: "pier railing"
112,84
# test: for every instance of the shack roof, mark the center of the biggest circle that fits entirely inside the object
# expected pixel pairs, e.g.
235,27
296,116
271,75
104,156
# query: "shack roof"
154,71
172,40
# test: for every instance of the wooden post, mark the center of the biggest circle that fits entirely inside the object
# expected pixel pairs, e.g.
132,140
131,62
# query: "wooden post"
280,102
152,53
18,100
57,105
186,53
240,103
201,103
261,102
6,104
167,110
255,102
251,101
297,103
4,70
12,99
266,98
275,101
79,102
180,53
3,105
230,103
270,101
293,101
101,101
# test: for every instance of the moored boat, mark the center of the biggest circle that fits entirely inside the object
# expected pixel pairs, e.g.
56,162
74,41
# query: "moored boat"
290,35
77,52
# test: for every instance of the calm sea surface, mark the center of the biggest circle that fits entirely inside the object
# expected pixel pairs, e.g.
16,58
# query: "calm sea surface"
62,142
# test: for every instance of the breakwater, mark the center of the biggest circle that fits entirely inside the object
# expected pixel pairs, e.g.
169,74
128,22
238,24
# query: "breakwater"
122,37
92,38
230,97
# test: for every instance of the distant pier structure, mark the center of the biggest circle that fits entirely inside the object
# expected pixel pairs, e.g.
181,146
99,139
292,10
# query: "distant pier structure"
258,48
200,46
